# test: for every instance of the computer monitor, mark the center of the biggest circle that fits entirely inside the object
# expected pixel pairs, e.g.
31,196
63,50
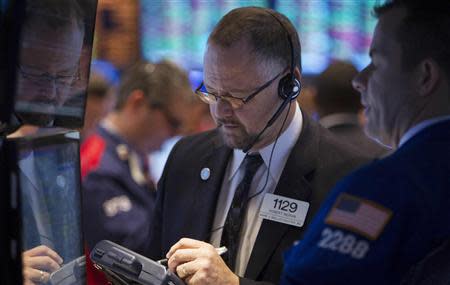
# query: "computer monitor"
50,191
10,11
53,62
10,246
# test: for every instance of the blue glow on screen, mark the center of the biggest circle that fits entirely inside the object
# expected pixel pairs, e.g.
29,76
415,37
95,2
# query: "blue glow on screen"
339,29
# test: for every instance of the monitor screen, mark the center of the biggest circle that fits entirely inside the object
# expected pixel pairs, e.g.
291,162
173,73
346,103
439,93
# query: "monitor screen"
53,65
49,179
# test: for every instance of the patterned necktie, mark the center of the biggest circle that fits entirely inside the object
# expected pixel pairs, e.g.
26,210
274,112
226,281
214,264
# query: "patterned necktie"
236,213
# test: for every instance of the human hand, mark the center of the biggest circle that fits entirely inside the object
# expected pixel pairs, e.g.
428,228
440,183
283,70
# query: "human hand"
38,263
198,262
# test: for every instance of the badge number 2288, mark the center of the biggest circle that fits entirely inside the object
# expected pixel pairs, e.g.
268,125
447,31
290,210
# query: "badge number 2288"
284,210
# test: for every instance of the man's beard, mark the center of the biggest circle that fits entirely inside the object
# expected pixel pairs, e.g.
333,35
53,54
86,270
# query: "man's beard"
240,140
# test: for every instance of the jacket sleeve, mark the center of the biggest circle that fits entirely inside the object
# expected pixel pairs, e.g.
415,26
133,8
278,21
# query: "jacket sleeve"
110,213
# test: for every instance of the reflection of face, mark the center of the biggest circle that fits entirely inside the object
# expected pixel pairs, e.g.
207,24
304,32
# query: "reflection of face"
48,65
235,71
385,87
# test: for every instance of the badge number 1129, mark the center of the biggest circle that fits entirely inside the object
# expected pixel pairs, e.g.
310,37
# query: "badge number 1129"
284,210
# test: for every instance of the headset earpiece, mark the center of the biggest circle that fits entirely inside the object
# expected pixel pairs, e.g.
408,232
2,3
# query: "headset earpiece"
289,88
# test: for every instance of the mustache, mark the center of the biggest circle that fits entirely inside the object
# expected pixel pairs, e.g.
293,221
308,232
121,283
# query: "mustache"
221,122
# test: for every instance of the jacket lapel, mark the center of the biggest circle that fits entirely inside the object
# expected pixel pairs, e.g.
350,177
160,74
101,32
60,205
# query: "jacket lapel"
207,191
293,184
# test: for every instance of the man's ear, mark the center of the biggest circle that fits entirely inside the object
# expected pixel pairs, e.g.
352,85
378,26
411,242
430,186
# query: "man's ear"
297,73
429,75
136,99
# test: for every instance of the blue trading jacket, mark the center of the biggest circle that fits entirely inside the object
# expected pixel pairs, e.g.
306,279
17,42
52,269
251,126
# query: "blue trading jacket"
380,220
117,201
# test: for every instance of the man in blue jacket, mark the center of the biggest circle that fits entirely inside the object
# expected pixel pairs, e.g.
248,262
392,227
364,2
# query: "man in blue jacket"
386,217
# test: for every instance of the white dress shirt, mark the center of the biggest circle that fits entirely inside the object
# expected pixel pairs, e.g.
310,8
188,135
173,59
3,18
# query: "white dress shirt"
32,191
233,176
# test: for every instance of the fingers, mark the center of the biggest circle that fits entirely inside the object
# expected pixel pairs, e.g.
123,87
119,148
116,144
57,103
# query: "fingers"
197,262
42,263
187,270
43,250
206,271
186,243
182,255
34,276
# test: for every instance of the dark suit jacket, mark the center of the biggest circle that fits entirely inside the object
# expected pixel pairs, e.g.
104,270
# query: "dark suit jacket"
346,127
186,204
413,184
434,269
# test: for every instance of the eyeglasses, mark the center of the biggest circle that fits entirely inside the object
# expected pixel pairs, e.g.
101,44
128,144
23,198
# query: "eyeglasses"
235,102
38,77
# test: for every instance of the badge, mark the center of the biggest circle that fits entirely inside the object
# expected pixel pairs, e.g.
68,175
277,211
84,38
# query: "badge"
205,173
116,205
122,151
284,210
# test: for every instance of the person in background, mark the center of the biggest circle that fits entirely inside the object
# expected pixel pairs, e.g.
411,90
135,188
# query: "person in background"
212,189
199,120
101,96
121,193
386,217
338,107
149,109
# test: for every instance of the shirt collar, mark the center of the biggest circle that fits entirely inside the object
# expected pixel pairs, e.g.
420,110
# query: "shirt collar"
419,127
283,148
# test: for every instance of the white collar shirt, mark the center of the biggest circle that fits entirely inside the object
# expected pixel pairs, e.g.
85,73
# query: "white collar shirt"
234,174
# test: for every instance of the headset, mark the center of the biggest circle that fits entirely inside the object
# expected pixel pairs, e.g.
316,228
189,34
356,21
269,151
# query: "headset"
289,87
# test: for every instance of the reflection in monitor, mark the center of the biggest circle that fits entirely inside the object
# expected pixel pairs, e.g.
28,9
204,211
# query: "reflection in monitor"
53,68
49,180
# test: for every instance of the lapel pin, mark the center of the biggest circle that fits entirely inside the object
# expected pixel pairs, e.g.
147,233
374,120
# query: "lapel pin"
205,173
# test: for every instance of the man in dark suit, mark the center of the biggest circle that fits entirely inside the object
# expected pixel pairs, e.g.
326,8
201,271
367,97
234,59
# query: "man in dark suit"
251,80
338,107
388,216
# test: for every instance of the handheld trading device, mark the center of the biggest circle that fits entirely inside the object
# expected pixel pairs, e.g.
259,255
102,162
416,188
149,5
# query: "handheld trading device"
127,267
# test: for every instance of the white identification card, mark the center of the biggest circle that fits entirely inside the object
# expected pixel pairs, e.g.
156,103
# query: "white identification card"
284,210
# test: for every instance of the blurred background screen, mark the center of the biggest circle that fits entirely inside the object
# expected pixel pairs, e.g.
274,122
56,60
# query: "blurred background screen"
328,29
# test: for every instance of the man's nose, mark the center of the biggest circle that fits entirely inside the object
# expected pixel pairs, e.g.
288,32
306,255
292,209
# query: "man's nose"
223,108
49,90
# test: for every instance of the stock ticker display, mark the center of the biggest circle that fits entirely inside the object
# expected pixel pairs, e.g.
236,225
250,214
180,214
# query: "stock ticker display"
339,29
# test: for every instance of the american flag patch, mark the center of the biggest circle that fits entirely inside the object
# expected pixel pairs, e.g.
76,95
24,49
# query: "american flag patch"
361,216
